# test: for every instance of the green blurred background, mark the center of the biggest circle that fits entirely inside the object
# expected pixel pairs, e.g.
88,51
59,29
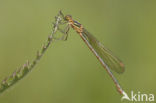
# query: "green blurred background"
69,72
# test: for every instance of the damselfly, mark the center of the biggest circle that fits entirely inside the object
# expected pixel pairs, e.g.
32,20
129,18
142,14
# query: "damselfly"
105,57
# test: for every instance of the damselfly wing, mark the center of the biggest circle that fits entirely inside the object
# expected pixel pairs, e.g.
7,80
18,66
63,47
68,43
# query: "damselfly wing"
110,60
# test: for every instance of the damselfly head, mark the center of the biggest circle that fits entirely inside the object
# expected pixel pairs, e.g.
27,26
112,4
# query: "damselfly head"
68,17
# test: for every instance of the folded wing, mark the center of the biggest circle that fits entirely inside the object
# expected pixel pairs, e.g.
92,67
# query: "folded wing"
110,60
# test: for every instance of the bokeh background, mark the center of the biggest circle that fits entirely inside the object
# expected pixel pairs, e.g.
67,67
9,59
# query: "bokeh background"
69,72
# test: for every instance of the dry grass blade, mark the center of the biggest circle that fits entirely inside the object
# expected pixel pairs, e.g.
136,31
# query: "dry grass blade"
27,67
